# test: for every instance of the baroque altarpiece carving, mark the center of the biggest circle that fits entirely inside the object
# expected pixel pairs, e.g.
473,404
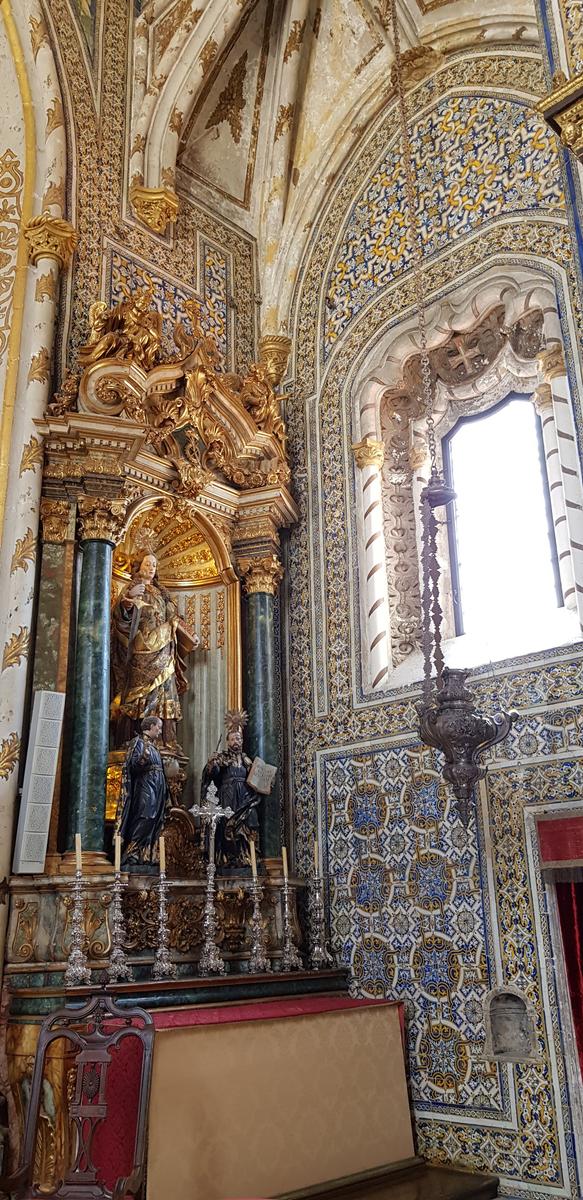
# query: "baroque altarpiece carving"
153,450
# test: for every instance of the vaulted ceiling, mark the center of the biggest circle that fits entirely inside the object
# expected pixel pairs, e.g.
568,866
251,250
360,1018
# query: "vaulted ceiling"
275,93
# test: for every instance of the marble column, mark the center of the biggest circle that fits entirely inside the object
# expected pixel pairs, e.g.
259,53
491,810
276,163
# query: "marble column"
261,578
101,523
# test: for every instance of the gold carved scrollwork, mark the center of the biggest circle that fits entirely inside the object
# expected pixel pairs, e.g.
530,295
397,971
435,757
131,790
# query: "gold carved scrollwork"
50,237
274,352
260,399
369,453
156,207
562,109
101,519
261,574
55,518
551,363
65,400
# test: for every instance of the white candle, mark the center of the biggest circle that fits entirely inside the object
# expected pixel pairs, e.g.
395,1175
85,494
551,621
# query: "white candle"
284,861
78,851
117,853
162,856
253,858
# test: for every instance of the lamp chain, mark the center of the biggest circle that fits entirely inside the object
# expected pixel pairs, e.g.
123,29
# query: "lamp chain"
427,389
432,615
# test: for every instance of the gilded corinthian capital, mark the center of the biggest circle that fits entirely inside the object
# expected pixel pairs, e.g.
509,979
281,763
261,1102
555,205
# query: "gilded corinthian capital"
156,207
369,453
101,519
50,237
261,574
55,518
274,352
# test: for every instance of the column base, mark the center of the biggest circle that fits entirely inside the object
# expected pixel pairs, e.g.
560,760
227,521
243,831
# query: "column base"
93,862
274,867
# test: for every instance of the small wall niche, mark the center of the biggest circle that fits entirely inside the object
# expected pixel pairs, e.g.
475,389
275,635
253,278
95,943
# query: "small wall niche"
509,1019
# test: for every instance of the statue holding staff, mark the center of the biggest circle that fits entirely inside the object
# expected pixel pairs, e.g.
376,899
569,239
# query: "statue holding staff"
149,643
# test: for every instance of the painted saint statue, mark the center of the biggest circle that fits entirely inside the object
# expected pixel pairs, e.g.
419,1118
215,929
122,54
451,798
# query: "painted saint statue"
147,657
144,796
229,770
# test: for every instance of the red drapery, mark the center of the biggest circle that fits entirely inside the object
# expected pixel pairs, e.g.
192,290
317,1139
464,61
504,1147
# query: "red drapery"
570,900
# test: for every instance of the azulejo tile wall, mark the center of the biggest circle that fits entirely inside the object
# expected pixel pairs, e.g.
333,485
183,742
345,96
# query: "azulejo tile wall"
420,908
476,158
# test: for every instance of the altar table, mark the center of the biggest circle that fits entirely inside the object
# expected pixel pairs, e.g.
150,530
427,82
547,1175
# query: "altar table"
260,1099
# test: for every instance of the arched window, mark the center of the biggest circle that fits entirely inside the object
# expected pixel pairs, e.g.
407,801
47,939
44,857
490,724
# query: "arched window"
503,555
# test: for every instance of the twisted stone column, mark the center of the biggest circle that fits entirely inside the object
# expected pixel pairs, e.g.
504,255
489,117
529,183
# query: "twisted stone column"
369,455
543,402
554,373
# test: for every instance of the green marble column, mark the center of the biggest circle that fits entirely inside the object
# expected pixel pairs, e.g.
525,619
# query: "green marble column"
260,689
91,700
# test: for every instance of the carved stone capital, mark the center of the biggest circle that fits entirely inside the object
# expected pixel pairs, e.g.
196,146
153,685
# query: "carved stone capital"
370,452
551,363
261,574
156,207
543,399
56,522
274,352
50,237
101,519
562,109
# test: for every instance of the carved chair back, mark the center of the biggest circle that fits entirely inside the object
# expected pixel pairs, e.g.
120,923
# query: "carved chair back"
94,1030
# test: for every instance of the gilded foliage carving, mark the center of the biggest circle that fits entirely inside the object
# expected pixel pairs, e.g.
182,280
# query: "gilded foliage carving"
24,552
40,367
32,455
9,752
16,648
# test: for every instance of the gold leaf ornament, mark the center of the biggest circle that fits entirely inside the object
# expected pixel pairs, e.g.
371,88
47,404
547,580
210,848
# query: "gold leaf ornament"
55,119
45,288
40,367
9,752
24,552
32,455
16,648
38,34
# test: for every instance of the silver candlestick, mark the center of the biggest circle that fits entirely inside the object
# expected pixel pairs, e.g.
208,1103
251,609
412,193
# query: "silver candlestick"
164,968
77,972
210,813
258,961
320,956
291,959
119,969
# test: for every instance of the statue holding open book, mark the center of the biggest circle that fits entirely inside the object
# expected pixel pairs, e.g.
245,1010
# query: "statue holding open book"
240,785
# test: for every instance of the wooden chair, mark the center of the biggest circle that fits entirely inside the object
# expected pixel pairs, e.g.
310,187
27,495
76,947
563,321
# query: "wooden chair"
94,1030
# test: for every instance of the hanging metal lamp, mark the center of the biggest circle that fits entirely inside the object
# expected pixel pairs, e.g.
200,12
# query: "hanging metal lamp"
449,720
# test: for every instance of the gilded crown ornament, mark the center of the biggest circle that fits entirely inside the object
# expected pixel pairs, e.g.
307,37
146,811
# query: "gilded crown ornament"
370,452
448,718
274,352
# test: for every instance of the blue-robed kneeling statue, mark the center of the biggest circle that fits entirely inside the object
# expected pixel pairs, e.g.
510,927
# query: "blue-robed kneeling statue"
144,798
